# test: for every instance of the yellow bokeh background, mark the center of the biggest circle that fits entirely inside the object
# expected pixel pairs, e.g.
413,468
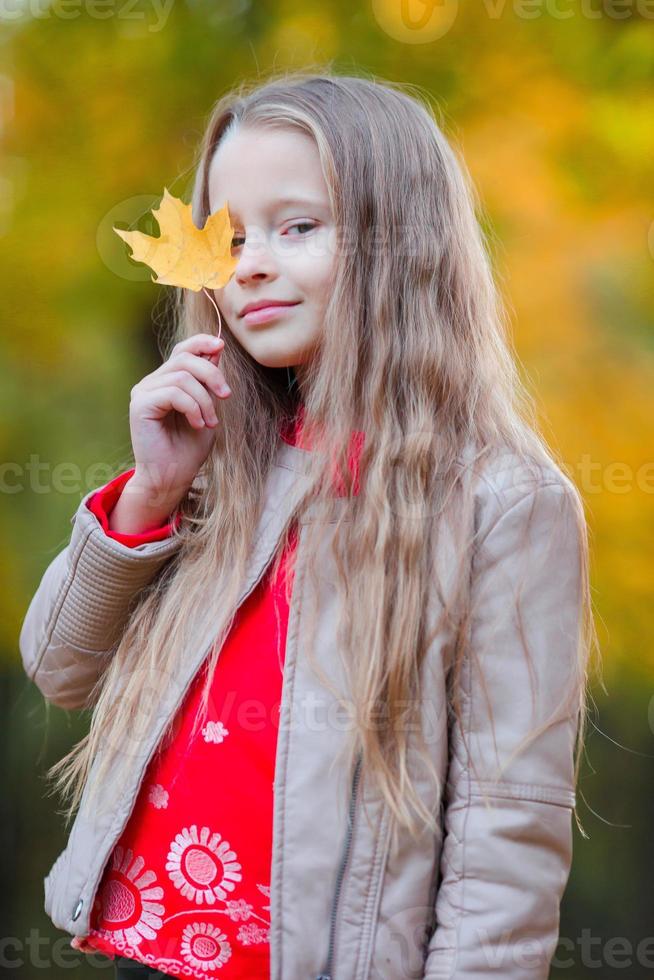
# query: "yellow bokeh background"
552,109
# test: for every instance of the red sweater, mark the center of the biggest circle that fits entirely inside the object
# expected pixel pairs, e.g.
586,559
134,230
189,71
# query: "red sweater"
186,889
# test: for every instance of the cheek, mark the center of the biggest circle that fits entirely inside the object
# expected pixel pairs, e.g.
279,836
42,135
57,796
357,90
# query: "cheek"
319,279
314,271
227,305
326,285
326,271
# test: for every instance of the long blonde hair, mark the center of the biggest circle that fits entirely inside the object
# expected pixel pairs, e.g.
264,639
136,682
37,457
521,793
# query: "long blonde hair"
414,352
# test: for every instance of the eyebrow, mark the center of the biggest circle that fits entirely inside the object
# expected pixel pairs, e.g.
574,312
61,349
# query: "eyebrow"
299,200
305,202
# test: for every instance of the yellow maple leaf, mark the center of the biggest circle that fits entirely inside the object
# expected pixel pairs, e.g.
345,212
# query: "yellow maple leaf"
185,255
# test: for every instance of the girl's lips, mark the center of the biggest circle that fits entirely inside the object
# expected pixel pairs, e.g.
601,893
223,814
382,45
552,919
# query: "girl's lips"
266,313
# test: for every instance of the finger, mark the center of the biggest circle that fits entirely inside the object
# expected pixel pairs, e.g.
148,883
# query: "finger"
222,389
209,381
200,367
199,343
184,380
170,398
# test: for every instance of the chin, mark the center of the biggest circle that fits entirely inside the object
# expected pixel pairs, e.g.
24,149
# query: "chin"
276,355
276,360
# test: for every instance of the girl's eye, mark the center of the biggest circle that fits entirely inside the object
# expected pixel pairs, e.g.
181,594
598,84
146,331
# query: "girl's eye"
302,224
237,242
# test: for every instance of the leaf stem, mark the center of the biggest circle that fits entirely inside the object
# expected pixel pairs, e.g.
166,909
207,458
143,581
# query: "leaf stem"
220,320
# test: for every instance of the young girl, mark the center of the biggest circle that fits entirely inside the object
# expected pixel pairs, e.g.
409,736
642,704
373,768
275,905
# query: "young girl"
334,624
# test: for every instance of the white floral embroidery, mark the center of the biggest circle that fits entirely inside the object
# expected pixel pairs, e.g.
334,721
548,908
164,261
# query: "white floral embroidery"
203,868
253,933
158,796
128,905
205,947
214,731
238,909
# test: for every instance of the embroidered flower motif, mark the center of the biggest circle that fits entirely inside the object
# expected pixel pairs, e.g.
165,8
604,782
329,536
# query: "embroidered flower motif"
214,731
203,868
253,933
127,904
158,796
238,909
204,947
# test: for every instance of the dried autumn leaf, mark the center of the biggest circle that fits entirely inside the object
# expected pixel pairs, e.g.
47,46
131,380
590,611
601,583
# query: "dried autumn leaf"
184,255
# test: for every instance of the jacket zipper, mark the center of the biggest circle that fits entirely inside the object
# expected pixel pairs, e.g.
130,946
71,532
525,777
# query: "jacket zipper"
327,972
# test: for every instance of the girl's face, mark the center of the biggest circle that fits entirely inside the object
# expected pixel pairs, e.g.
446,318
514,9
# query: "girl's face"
278,203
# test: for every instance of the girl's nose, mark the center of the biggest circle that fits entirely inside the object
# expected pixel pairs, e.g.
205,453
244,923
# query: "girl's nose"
255,259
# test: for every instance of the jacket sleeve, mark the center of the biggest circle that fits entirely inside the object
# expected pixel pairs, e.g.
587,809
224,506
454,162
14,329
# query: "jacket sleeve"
82,603
102,502
507,846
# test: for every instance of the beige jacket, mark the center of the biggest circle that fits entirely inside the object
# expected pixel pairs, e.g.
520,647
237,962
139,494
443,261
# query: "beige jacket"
482,899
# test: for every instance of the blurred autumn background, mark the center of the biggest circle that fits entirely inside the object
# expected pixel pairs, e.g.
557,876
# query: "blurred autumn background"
101,106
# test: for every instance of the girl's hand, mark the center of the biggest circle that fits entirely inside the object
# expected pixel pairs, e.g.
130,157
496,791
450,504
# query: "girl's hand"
172,417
